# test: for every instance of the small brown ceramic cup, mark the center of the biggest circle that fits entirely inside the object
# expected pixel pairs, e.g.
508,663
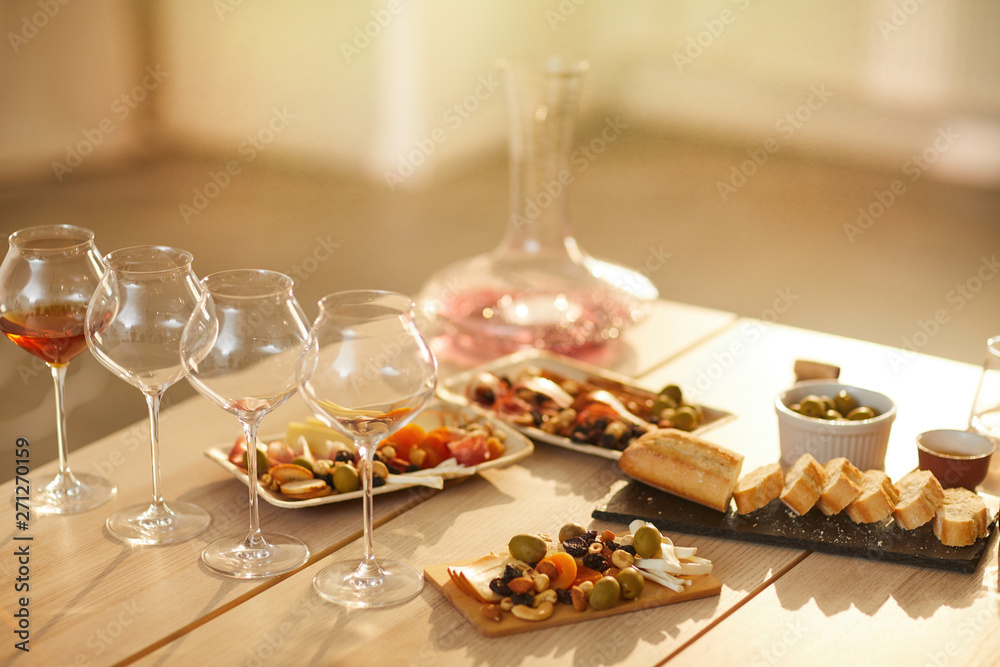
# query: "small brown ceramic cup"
957,458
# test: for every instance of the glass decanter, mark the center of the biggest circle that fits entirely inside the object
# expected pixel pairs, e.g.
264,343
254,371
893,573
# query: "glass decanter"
538,288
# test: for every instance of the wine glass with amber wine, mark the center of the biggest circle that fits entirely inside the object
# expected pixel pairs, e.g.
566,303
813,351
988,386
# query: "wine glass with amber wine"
241,348
134,326
367,371
46,280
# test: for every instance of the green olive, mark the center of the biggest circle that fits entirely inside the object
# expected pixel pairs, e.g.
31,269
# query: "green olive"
570,530
845,402
863,412
529,548
346,479
832,415
606,593
686,419
674,392
812,406
631,582
647,542
305,463
263,464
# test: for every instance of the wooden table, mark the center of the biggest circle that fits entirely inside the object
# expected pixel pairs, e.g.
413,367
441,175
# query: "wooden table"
96,601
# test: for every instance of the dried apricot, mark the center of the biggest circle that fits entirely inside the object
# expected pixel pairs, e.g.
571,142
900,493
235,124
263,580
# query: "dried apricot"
566,569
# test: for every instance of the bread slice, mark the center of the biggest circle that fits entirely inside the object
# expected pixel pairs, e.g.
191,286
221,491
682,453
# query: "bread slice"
961,518
841,486
803,484
758,488
920,493
684,465
876,500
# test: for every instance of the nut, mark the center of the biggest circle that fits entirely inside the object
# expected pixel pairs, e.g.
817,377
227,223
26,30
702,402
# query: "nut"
607,536
491,611
586,587
547,568
579,598
379,469
506,604
521,585
548,595
387,452
539,613
322,467
269,482
541,582
595,548
621,559
417,456
625,540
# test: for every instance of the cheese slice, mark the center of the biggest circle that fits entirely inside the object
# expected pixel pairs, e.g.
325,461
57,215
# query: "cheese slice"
474,579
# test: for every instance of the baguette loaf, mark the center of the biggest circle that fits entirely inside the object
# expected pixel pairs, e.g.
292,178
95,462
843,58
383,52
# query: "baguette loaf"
803,484
685,465
841,486
758,488
961,518
877,499
920,494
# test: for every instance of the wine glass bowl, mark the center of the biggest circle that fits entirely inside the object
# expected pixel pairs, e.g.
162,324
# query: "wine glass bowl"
134,325
367,371
46,280
241,349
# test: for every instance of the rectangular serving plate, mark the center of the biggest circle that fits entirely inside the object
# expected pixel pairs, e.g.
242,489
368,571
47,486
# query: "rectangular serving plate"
776,525
439,413
453,390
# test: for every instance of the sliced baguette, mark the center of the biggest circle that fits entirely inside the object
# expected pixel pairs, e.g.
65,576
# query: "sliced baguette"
803,484
758,488
961,518
876,500
841,486
920,494
684,465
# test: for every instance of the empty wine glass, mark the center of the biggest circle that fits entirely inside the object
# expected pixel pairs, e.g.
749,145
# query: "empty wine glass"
241,349
367,371
134,326
46,280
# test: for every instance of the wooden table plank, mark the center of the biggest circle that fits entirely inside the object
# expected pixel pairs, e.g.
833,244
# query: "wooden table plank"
538,495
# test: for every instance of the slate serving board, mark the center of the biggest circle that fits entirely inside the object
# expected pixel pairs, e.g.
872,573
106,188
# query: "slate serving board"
776,525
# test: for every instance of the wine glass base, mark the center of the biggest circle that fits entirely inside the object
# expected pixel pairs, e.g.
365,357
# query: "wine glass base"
399,582
80,493
146,524
232,557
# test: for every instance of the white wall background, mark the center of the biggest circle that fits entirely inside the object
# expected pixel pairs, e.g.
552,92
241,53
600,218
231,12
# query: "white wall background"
364,81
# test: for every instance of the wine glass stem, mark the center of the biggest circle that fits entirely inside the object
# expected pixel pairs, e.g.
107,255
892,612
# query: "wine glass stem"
153,402
65,476
368,568
254,539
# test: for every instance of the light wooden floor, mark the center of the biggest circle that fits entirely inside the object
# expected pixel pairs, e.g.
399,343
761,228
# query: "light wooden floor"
922,274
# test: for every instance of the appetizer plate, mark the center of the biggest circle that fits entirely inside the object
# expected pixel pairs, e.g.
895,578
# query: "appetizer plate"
653,595
438,414
453,390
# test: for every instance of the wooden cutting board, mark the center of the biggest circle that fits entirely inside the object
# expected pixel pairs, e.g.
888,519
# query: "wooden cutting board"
653,595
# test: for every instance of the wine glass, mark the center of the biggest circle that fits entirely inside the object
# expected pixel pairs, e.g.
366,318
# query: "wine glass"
241,349
46,280
134,325
367,372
